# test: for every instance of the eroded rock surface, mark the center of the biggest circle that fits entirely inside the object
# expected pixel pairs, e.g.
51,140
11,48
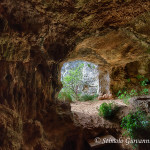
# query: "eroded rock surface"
37,37
93,126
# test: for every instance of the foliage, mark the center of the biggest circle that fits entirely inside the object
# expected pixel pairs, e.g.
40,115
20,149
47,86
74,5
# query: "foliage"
107,110
73,83
133,92
73,80
87,97
64,96
91,66
129,80
136,124
143,80
125,94
145,91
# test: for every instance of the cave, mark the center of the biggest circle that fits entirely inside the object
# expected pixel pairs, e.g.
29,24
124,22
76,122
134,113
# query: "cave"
83,82
38,37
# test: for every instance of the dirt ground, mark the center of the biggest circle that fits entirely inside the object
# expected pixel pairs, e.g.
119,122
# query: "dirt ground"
85,115
90,107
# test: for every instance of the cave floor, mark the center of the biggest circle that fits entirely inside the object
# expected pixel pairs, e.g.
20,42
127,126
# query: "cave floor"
85,114
90,107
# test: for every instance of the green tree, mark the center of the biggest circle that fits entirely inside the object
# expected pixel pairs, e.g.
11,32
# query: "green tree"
73,80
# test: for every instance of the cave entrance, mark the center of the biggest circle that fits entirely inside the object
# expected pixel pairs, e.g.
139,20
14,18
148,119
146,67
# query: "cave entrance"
80,81
83,82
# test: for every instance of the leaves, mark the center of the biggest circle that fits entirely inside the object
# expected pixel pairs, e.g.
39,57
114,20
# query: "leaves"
134,123
125,94
87,97
143,80
73,80
107,110
145,91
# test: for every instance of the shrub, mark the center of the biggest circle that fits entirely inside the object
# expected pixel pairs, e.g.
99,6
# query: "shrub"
145,91
136,124
107,110
64,96
73,80
133,92
87,97
143,80
125,94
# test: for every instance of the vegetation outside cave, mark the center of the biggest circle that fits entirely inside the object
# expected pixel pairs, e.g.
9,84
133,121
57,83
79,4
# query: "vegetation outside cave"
80,81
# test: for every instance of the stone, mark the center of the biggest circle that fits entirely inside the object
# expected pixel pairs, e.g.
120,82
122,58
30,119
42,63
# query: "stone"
105,97
98,142
142,102
37,37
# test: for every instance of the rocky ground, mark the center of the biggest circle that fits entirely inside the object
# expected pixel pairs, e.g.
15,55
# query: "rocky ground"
90,107
37,37
86,116
86,113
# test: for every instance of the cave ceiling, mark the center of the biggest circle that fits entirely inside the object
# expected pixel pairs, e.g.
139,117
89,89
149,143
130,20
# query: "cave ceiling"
103,32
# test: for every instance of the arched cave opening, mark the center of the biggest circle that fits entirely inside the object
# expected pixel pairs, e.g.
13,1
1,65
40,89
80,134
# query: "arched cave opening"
80,81
83,81
37,37
86,115
90,83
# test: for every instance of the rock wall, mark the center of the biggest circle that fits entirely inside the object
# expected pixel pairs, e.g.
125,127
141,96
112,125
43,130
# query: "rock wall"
36,38
104,79
126,76
28,110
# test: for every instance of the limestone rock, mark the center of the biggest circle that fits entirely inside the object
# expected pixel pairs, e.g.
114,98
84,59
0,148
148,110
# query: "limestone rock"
37,37
105,97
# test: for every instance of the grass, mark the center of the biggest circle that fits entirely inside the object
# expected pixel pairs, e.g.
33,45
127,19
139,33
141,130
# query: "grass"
87,97
65,96
68,97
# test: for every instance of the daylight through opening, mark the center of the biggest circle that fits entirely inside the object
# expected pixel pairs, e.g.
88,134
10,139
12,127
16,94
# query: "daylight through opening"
80,81
83,81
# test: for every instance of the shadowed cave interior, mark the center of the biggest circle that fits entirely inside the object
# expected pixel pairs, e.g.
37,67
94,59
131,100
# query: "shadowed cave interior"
38,37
